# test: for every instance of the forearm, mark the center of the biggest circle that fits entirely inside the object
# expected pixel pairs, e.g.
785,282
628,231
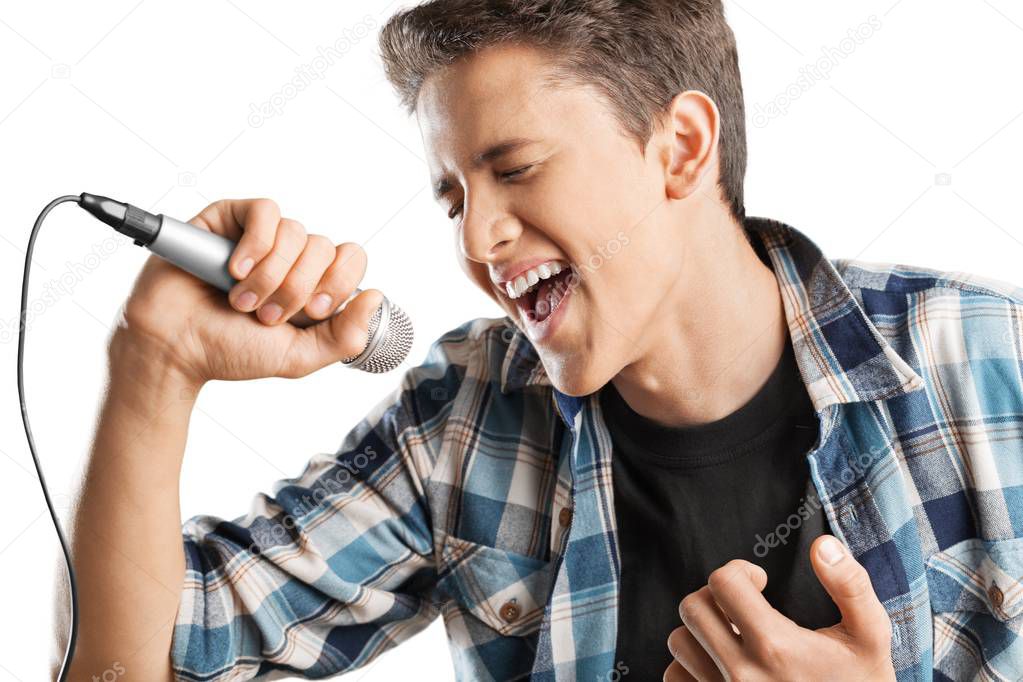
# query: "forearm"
126,529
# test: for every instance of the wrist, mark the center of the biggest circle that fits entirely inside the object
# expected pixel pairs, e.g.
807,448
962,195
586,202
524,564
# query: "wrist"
137,366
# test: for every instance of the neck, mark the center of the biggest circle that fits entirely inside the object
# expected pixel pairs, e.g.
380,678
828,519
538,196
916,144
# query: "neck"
721,334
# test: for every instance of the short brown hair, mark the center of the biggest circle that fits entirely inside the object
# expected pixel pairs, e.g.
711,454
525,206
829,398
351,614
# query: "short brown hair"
638,53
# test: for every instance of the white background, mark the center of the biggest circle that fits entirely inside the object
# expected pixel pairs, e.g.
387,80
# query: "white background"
907,153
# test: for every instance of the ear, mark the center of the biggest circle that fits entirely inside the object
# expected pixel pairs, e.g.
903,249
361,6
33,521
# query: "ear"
691,130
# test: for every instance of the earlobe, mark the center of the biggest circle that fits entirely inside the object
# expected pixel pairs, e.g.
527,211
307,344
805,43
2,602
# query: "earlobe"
692,128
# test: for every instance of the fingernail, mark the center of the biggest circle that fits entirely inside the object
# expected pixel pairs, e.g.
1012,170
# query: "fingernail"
269,312
245,266
247,300
831,551
320,304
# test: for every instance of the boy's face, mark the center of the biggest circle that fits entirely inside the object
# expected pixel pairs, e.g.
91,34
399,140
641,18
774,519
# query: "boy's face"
569,189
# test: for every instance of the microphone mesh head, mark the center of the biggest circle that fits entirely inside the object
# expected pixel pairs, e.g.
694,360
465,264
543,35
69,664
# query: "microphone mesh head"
389,341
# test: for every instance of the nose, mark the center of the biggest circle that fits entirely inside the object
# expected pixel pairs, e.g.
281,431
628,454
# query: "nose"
487,232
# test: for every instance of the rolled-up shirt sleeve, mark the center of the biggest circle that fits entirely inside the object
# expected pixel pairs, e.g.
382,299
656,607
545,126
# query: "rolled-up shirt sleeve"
334,567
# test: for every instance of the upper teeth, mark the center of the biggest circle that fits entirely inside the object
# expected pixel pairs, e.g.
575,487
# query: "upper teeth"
528,280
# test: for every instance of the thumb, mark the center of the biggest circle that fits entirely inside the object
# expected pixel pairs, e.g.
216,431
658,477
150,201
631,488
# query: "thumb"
863,616
337,338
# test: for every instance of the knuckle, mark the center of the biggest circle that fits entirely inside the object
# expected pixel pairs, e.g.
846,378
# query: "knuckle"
767,650
222,207
219,208
260,244
739,671
264,281
351,257
292,288
688,606
291,228
855,584
319,245
256,246
674,641
675,673
308,280
265,204
280,262
339,281
352,339
717,579
377,297
721,577
316,264
210,218
260,222
263,207
351,260
350,345
351,250
319,259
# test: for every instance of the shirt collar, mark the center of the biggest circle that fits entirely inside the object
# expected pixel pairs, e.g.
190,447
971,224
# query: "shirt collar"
841,355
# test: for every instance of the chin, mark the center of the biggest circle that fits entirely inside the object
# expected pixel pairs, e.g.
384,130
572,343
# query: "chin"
574,378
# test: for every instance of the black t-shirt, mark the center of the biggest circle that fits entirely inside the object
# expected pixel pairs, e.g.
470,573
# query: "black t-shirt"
688,500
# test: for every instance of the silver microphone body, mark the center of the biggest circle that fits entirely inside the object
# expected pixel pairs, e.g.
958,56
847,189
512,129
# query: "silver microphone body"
206,255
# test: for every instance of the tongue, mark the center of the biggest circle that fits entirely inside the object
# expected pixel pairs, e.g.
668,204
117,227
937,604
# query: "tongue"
549,295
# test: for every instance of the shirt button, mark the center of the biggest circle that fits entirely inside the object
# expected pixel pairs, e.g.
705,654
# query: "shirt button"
509,611
995,595
565,517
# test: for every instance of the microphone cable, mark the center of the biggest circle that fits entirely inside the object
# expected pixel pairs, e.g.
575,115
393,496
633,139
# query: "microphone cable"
205,255
72,586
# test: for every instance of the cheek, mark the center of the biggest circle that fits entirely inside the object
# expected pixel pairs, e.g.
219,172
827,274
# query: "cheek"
607,252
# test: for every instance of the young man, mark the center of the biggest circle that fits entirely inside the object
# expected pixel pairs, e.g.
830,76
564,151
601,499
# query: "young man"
695,448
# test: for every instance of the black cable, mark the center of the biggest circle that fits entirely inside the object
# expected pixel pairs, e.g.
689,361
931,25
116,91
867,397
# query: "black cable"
69,652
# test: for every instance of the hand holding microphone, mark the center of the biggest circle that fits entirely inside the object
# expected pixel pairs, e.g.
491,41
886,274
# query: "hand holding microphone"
174,334
268,264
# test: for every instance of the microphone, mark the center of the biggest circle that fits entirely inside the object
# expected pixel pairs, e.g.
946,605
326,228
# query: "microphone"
206,255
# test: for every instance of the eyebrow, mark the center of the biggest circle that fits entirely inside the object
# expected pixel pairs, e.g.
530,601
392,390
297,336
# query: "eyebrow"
495,151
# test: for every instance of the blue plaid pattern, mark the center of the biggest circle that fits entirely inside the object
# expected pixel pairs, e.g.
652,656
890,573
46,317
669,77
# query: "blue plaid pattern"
479,493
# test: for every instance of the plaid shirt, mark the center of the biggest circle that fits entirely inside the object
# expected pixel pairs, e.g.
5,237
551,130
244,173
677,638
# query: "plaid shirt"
480,493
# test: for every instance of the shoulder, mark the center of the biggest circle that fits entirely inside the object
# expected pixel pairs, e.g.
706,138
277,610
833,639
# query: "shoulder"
897,279
466,352
903,298
468,358
962,332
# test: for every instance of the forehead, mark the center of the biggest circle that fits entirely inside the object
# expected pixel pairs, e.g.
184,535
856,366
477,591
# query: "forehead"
500,92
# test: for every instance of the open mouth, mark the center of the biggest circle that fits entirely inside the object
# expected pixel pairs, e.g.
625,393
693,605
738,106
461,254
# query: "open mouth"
550,285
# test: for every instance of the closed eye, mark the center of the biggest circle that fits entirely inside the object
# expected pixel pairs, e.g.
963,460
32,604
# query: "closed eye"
515,172
508,175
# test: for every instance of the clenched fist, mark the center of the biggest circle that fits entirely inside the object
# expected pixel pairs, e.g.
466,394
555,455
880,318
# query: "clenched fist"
769,646
200,334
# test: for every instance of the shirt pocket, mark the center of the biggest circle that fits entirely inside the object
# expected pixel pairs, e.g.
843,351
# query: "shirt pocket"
976,592
978,575
505,590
